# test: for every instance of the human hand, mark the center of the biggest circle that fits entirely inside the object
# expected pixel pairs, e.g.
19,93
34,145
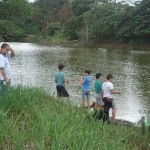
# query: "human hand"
68,81
7,83
8,47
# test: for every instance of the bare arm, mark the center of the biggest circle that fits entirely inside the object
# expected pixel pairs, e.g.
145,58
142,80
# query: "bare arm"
81,80
114,92
12,51
4,75
66,81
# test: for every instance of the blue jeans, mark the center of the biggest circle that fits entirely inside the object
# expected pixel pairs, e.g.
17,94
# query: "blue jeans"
2,87
86,95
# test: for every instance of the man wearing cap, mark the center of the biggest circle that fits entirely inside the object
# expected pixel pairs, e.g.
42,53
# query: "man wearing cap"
60,80
5,70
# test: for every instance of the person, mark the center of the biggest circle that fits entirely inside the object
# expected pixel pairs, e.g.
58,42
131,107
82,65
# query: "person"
5,69
60,80
107,91
85,82
98,89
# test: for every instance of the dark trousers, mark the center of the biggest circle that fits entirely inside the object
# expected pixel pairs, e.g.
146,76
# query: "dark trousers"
2,87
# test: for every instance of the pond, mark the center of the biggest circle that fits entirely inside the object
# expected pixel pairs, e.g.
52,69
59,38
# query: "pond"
35,65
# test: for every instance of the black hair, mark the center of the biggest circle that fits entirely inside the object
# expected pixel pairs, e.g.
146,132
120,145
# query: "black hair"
109,76
60,66
4,45
88,71
98,75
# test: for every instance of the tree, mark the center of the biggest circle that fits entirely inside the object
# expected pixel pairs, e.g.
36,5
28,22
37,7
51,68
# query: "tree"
81,6
135,22
12,18
72,27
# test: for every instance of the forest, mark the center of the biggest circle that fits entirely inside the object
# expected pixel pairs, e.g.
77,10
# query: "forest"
84,20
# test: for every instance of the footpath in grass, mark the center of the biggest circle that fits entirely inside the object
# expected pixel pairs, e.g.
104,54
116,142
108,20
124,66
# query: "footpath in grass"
32,120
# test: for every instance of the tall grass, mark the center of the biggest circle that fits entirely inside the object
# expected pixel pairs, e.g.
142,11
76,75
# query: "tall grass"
31,120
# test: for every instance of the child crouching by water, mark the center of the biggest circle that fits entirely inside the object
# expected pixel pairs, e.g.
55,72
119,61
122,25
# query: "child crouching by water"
85,82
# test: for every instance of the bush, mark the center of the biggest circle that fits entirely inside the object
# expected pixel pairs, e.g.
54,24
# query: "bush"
72,27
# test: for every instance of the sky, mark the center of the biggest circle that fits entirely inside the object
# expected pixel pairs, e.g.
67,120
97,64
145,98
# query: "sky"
31,0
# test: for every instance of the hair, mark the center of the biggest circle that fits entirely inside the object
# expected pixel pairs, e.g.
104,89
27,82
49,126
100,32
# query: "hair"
4,45
60,66
93,105
88,71
98,75
109,76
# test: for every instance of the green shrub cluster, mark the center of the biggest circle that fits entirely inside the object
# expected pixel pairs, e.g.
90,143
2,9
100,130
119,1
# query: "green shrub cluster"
84,20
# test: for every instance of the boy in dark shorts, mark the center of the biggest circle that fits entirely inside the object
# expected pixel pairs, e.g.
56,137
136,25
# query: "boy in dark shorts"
107,92
60,80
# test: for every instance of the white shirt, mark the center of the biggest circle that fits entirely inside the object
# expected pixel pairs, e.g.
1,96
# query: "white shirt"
106,87
4,63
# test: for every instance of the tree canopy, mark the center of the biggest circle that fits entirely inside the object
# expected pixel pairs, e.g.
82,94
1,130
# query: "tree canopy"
76,19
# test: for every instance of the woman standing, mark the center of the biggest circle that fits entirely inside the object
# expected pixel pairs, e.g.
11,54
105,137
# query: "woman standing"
85,82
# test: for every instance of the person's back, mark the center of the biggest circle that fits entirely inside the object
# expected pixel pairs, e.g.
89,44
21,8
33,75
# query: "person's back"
108,90
86,85
60,77
85,82
98,86
60,80
107,86
98,89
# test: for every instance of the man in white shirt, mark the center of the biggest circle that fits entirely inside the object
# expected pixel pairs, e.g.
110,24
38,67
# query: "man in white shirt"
5,70
107,91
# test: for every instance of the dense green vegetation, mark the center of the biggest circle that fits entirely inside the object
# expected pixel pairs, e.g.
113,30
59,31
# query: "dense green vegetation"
30,119
86,20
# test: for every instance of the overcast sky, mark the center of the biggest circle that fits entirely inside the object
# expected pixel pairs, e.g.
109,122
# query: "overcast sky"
31,0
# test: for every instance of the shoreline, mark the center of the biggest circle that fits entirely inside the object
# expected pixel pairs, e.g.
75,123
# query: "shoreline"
91,44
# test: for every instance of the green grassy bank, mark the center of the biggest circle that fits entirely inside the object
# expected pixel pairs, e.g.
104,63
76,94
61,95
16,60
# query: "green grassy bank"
32,120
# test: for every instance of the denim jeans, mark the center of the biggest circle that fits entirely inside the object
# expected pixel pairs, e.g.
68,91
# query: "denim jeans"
2,87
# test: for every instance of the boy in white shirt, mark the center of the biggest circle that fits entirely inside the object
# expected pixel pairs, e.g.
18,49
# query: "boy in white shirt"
107,91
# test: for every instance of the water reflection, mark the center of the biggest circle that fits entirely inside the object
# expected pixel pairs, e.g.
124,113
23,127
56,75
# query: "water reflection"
36,65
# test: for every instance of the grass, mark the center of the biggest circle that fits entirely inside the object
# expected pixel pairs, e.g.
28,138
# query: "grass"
32,120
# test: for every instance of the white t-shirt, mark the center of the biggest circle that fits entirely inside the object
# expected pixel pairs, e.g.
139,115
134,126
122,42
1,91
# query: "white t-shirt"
4,63
106,87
